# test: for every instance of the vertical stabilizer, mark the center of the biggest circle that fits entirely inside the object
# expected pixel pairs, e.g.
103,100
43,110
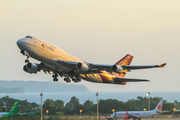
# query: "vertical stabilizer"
15,107
13,112
126,60
159,106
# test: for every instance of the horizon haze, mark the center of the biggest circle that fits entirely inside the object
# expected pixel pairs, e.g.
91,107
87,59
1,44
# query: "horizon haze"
99,32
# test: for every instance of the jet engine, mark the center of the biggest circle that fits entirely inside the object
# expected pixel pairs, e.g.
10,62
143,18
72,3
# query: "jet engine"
125,116
82,67
117,68
30,68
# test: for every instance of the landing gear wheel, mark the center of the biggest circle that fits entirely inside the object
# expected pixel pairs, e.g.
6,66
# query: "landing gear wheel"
55,79
26,61
54,76
67,80
76,80
73,79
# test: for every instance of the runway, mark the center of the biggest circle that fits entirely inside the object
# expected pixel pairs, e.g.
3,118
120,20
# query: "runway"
160,119
156,119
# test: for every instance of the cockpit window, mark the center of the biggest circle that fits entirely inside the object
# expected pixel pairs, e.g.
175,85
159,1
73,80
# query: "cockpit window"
29,37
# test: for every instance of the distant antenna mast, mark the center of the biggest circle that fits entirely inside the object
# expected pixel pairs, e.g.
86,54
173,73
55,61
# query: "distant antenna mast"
97,94
41,106
148,94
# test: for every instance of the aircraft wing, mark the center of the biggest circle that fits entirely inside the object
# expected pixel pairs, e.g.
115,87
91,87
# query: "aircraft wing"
134,67
127,116
69,64
96,68
131,116
125,67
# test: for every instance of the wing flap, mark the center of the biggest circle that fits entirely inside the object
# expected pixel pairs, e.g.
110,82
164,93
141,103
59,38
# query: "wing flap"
69,64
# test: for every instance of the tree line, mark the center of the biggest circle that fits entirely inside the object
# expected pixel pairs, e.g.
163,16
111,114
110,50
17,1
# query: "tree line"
73,107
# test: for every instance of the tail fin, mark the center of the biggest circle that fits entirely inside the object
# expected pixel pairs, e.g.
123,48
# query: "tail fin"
13,112
15,107
126,60
159,106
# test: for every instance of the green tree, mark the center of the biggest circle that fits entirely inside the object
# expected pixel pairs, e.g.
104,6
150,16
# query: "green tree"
74,101
106,106
73,106
59,104
2,107
88,105
60,113
50,105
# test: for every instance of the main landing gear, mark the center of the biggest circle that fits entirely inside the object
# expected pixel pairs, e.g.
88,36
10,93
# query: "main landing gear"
67,80
76,80
55,79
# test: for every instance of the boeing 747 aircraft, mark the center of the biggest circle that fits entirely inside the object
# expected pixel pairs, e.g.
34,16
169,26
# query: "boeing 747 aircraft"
62,64
138,114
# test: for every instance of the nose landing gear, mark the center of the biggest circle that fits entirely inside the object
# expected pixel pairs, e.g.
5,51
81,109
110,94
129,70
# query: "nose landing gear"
25,54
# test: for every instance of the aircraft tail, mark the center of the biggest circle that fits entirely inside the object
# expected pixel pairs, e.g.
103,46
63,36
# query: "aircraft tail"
15,107
13,112
159,106
126,60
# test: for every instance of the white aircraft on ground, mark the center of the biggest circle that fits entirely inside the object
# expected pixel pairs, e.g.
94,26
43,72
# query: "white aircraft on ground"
138,114
55,60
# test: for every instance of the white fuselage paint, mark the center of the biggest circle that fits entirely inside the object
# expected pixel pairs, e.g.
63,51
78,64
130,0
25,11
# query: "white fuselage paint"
49,54
138,114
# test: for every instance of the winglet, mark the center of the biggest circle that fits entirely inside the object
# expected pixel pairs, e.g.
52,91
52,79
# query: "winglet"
162,65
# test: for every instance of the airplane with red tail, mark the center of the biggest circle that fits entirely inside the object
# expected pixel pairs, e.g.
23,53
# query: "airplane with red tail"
138,114
56,61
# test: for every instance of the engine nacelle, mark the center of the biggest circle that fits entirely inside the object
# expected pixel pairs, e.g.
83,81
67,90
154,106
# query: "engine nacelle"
117,68
82,67
125,116
30,68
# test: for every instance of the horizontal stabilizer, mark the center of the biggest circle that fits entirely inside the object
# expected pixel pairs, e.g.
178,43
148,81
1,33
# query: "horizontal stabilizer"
119,80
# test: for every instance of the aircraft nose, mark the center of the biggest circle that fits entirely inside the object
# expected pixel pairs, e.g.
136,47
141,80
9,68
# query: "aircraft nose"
20,43
111,115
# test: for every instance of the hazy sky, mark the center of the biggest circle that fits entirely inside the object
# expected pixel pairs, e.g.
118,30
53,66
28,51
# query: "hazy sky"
97,31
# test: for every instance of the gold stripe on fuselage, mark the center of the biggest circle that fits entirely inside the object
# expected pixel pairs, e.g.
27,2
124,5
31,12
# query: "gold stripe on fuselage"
109,77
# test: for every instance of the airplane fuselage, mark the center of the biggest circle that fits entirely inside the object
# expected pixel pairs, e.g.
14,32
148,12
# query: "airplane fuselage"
49,54
138,114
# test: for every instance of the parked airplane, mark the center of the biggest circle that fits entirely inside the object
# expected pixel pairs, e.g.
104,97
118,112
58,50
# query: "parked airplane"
138,114
55,60
12,113
15,112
